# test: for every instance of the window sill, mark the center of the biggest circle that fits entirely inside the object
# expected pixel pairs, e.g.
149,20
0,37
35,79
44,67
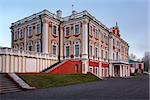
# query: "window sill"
30,36
37,34
68,36
55,35
76,35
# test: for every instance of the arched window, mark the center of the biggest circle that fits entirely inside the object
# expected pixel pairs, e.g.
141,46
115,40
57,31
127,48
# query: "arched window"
30,44
38,46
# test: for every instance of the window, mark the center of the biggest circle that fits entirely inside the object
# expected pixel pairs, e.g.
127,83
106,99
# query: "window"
38,29
106,55
102,54
77,50
16,47
96,71
97,34
91,51
16,35
67,31
54,49
102,72
21,46
29,31
21,33
67,51
90,30
96,52
77,29
29,46
54,30
102,37
113,56
38,46
117,55
113,41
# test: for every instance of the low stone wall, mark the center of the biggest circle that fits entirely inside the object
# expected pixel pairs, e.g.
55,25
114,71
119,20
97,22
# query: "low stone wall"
12,60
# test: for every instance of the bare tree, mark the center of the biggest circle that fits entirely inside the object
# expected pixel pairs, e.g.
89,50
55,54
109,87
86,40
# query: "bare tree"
132,56
146,60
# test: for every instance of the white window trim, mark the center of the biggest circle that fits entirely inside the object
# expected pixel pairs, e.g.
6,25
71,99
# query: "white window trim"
39,28
75,51
74,28
91,67
21,45
29,30
65,50
96,73
91,30
39,45
56,29
69,31
29,45
96,57
56,49
91,57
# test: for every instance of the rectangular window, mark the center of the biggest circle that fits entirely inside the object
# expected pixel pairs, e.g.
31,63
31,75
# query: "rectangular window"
113,56
90,30
113,41
67,51
91,51
77,50
21,33
54,49
67,31
97,34
54,30
96,52
77,29
30,31
96,71
38,30
102,54
106,55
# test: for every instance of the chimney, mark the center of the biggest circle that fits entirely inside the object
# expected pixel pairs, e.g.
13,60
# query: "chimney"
59,13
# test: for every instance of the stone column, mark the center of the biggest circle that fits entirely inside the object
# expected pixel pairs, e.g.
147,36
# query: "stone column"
110,70
61,42
121,71
85,63
113,74
45,35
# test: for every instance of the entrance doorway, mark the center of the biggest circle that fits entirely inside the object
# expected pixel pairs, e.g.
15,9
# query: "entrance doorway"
117,70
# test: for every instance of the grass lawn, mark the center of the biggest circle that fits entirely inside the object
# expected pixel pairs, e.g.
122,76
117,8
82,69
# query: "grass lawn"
52,80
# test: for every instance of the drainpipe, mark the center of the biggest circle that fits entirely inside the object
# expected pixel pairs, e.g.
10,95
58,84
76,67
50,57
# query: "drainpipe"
41,31
59,42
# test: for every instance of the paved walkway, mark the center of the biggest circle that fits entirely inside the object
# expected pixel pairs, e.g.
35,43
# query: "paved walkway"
134,88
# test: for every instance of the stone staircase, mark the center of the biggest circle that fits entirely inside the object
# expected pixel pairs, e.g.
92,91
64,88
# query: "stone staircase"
7,85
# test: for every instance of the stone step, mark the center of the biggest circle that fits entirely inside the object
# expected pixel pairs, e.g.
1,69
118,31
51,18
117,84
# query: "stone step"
7,85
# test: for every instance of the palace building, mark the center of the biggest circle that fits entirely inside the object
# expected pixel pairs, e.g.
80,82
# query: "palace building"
80,42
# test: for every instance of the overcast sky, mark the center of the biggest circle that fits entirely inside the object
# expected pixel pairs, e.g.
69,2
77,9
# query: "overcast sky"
132,17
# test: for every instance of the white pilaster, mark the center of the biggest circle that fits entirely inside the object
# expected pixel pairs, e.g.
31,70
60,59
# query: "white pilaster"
45,36
85,39
85,63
